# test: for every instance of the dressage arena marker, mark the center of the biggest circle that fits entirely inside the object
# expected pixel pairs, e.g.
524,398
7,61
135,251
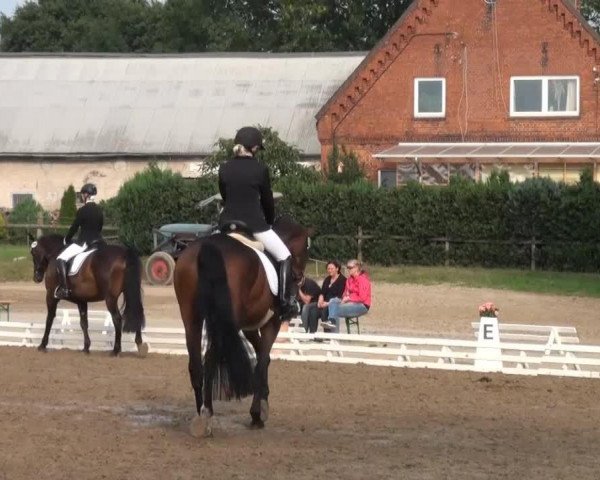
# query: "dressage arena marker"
555,353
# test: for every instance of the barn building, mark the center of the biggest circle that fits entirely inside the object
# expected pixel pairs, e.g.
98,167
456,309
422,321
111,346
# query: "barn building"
465,87
72,119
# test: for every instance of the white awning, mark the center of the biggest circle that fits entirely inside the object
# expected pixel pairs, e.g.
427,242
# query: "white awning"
491,150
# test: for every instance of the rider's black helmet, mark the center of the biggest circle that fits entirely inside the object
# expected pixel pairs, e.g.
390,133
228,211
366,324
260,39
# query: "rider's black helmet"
89,188
249,137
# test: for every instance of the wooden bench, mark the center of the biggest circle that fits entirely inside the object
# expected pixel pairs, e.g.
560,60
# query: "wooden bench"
516,332
5,307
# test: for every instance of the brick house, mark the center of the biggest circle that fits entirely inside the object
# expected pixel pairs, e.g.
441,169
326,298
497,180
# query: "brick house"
472,85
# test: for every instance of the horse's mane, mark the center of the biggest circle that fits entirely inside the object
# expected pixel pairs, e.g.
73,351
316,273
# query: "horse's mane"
52,242
286,225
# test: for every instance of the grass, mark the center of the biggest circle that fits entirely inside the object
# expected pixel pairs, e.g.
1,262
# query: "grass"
11,269
555,283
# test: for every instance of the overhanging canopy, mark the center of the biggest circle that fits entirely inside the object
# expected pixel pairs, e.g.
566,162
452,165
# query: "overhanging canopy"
491,150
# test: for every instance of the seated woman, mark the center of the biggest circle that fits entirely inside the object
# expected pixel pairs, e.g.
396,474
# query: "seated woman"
308,294
333,287
356,299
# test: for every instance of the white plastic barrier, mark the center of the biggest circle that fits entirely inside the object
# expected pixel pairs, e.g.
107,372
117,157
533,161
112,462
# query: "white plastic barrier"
410,352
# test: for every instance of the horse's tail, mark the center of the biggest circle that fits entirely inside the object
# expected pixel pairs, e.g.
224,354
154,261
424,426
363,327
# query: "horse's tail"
231,363
133,313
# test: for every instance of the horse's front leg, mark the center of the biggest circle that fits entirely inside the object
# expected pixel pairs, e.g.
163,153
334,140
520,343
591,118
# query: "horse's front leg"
83,321
259,410
113,308
51,304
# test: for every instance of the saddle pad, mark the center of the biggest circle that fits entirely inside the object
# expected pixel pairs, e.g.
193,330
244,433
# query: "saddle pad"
272,276
78,261
255,244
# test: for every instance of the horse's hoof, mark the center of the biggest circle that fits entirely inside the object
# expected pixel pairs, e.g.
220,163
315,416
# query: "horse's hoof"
264,410
142,349
42,348
86,351
257,424
201,426
114,354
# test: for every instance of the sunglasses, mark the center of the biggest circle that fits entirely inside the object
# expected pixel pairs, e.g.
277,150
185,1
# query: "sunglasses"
350,266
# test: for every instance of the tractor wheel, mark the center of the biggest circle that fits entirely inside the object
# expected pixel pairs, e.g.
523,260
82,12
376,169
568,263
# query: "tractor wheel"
160,267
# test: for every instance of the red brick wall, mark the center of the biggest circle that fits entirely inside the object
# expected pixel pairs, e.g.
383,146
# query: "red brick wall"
461,40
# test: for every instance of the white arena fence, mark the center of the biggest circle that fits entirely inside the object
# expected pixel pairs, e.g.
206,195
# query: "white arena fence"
549,352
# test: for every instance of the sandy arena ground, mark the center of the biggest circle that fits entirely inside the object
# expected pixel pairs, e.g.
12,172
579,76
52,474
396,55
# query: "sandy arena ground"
70,416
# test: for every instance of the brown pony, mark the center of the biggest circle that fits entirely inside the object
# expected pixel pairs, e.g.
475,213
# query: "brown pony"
221,284
104,275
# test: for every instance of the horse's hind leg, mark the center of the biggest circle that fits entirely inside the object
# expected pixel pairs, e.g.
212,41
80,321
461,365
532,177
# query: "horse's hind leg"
202,424
113,308
51,304
255,339
259,410
83,321
141,346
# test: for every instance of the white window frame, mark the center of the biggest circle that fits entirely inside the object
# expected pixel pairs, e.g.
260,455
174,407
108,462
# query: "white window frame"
544,112
12,198
418,114
387,170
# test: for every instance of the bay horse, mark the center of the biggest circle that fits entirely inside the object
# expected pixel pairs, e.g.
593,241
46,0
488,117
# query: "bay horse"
221,284
103,276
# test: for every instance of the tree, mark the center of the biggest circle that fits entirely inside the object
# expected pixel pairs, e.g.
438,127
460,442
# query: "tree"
281,159
68,207
198,25
82,26
591,11
28,211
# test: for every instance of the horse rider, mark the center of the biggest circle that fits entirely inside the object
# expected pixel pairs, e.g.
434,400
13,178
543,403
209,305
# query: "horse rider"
245,186
89,221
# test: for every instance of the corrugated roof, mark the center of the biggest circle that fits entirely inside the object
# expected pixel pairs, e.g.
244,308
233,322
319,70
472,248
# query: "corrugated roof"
161,104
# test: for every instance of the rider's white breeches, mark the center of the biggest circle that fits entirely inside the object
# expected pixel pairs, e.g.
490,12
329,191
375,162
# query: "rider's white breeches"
273,244
71,251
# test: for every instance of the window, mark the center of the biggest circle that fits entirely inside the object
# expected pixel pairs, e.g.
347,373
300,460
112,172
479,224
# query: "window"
544,96
430,97
20,198
387,178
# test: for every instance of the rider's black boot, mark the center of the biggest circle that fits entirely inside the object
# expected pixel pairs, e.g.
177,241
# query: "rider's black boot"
62,292
289,307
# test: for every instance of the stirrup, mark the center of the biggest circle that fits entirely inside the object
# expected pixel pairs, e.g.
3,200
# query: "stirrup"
288,311
61,293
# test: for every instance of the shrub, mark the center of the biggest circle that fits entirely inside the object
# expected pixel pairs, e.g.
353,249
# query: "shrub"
68,207
3,231
28,211
343,166
156,197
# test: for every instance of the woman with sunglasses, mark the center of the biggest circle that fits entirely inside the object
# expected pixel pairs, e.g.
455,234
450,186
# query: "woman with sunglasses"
356,299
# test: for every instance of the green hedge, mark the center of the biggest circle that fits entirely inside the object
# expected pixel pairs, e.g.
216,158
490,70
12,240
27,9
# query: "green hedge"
401,223
154,198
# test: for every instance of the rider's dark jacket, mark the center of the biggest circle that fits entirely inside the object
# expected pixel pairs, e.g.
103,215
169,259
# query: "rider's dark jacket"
90,219
245,186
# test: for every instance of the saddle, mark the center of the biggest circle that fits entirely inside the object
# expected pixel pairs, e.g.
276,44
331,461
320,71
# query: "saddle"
241,232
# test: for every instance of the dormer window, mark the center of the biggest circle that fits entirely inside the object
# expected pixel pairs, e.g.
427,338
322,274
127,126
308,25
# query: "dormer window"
430,97
544,96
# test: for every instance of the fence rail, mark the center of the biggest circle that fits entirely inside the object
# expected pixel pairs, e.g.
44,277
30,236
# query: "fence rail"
39,229
533,243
